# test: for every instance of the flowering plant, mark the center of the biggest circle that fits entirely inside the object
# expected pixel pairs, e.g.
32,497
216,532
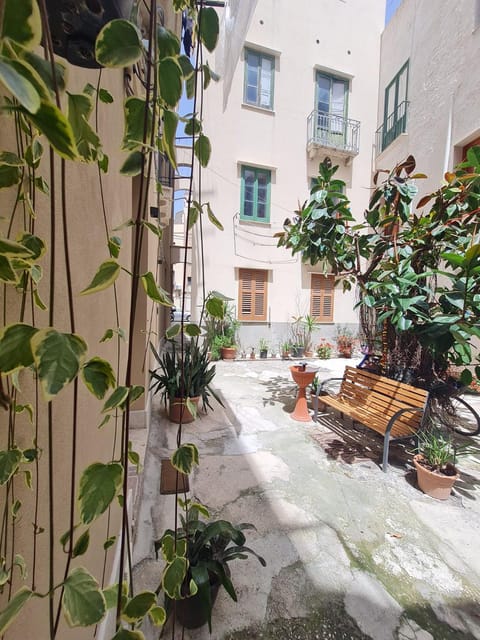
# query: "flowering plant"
324,349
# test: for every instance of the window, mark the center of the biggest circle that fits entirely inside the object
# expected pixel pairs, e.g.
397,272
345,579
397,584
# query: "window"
395,109
331,105
259,70
255,197
321,297
252,294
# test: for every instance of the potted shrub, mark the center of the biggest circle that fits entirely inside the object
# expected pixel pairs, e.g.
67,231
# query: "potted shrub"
183,381
345,340
203,549
324,349
263,347
220,330
285,350
435,463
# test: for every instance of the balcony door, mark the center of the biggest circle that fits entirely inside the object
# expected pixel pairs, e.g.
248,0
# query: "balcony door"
331,105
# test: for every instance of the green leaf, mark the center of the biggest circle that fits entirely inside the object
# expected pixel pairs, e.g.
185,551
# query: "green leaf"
98,376
185,457
106,275
172,331
81,545
15,81
43,69
56,128
13,608
119,44
139,606
209,27
187,67
117,399
7,272
83,602
170,81
173,577
42,185
154,292
213,219
192,330
9,462
105,96
99,485
15,348
167,42
466,377
193,214
58,357
170,122
108,335
203,149
13,249
215,307
79,109
158,616
110,593
134,458
154,228
133,164
136,392
109,542
22,23
126,634
134,114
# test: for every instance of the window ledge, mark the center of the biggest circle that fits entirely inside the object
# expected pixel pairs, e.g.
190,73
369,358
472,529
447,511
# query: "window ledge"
253,107
393,144
260,223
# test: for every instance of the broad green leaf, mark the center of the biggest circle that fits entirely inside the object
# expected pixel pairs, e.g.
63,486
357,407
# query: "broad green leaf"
153,228
15,81
172,331
215,307
134,114
9,462
126,634
81,545
108,335
466,377
185,457
167,42
213,219
7,272
187,67
98,376
133,164
173,577
193,214
136,392
79,109
105,96
473,157
15,348
117,399
114,244
192,407
34,244
134,458
154,292
42,185
170,81
192,330
58,357
168,548
56,128
110,593
158,616
14,249
119,44
13,608
208,27
22,23
83,602
44,70
203,149
16,508
109,542
139,606
106,275
193,127
170,122
99,485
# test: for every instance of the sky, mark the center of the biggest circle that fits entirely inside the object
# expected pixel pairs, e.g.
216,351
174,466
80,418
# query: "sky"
391,7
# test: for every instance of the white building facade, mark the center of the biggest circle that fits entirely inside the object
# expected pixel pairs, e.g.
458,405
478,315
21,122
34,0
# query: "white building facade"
305,87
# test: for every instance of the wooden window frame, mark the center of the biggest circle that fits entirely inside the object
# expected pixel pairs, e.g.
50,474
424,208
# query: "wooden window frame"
261,56
319,294
257,171
398,125
248,285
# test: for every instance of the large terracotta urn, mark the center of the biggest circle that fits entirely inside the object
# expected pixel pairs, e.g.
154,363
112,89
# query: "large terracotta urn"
302,377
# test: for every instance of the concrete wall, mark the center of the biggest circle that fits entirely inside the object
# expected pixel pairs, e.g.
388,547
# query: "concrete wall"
442,42
303,36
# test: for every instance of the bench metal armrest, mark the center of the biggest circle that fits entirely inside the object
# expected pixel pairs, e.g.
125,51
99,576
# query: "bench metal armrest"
324,382
391,422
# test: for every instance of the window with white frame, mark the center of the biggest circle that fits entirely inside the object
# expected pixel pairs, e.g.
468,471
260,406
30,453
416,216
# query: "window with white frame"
259,76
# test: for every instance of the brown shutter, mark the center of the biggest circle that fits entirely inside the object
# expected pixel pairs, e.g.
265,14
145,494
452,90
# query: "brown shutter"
321,300
252,296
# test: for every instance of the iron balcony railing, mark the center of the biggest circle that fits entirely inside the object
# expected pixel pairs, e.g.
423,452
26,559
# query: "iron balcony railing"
333,131
393,126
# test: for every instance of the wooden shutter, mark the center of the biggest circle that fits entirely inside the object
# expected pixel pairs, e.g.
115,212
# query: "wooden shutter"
321,299
252,297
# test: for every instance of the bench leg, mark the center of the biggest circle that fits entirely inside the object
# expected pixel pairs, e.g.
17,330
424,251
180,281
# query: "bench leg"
386,445
315,408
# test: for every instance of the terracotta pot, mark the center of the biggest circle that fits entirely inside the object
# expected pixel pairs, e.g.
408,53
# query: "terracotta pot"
175,410
228,353
308,354
436,485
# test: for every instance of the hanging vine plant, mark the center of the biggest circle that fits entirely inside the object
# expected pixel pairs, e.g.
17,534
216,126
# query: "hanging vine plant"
48,364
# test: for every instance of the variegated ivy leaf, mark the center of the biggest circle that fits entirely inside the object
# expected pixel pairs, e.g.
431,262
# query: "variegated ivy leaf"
170,81
173,577
15,347
106,275
138,607
154,292
158,616
119,44
203,149
116,400
172,331
98,376
185,457
9,463
56,128
209,27
83,602
170,123
22,23
134,112
13,608
99,485
58,357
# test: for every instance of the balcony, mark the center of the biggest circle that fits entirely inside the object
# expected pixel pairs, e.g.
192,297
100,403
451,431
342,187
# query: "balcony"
394,125
340,135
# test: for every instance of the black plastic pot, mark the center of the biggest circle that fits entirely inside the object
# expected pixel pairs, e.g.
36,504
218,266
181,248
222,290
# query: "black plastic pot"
189,611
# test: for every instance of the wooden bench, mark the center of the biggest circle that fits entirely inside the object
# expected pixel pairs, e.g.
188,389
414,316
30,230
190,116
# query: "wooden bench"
391,408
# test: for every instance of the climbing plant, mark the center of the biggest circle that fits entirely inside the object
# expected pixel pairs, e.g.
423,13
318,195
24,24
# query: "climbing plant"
417,267
42,354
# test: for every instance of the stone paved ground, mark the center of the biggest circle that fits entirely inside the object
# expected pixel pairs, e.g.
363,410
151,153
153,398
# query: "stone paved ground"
351,552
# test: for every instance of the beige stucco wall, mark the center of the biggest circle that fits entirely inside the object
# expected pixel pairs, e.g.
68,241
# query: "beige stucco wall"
441,40
304,36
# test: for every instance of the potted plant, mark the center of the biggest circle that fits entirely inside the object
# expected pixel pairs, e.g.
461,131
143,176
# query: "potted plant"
221,330
183,381
324,349
285,350
435,463
203,548
263,347
345,340
309,323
